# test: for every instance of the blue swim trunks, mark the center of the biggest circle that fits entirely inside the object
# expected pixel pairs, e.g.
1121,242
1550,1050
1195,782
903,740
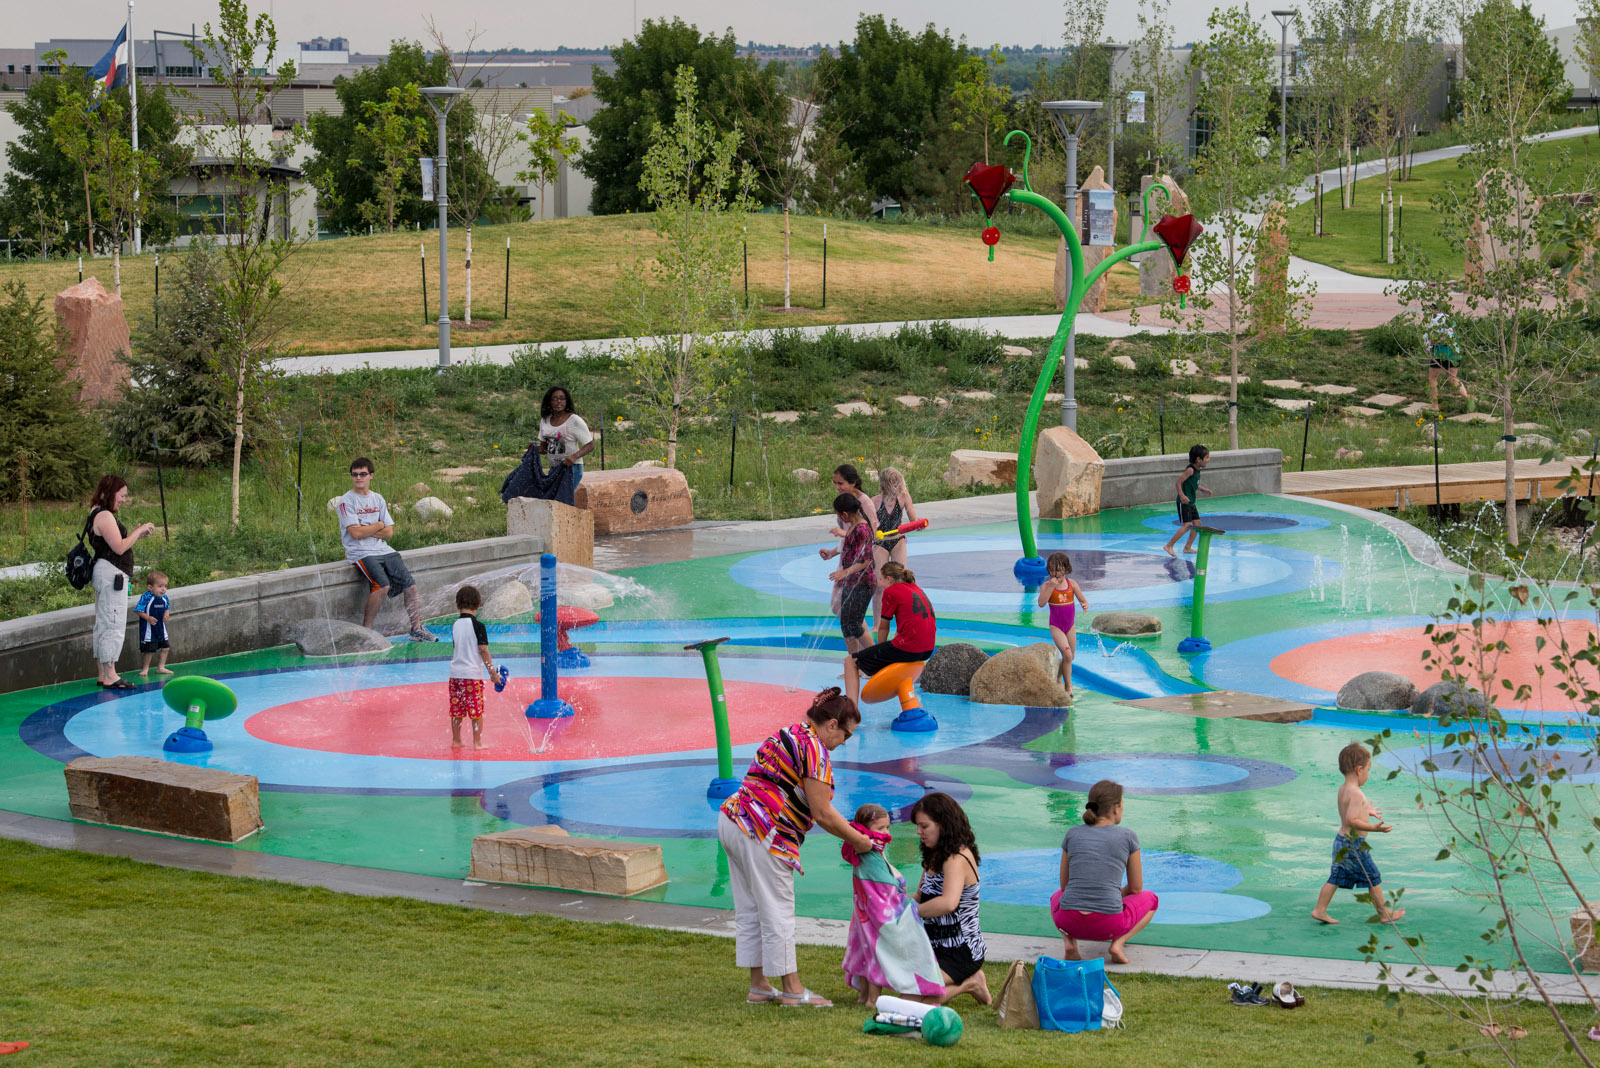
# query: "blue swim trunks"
1353,866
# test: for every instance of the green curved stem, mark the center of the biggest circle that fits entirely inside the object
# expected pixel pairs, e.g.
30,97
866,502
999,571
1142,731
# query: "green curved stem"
1027,153
1081,283
1166,196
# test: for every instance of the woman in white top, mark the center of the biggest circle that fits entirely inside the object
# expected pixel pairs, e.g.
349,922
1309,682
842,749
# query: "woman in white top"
562,432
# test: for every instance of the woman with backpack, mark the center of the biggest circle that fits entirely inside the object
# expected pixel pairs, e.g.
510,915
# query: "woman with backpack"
112,570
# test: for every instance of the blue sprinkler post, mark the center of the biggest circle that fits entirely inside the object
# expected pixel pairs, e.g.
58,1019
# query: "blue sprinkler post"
1197,642
549,705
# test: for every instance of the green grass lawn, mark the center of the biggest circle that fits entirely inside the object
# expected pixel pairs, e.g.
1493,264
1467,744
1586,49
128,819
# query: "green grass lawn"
109,963
359,294
415,423
1350,240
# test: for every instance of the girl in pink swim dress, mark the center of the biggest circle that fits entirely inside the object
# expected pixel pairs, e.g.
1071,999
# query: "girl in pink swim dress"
1063,596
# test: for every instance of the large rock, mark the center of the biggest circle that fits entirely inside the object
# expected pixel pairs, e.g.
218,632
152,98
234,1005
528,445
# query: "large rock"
1449,698
1095,299
508,599
1125,624
951,667
1485,251
333,637
97,335
1377,691
1155,268
165,797
636,498
978,467
564,530
1025,675
548,856
431,508
1584,943
590,595
1068,472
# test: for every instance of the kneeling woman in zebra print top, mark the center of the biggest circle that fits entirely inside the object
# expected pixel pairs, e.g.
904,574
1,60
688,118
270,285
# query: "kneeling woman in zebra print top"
948,896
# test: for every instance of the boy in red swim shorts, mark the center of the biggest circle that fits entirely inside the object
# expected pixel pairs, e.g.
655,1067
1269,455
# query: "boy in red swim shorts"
468,667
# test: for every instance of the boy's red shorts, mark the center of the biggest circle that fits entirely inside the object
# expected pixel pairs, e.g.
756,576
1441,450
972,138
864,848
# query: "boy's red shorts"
466,698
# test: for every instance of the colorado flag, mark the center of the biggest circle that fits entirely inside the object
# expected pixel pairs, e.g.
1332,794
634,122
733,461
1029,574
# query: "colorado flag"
112,70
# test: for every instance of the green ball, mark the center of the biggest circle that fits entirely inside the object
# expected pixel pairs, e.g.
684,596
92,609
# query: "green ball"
941,1026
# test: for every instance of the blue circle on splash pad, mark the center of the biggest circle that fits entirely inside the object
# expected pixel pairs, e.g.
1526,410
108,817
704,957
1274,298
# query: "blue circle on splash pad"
1579,763
1158,772
664,801
1192,888
972,572
1095,569
1246,522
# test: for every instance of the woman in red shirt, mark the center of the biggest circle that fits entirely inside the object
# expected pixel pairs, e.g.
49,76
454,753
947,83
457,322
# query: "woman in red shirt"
914,625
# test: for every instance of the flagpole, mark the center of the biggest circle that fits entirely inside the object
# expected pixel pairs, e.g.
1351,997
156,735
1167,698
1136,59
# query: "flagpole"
133,95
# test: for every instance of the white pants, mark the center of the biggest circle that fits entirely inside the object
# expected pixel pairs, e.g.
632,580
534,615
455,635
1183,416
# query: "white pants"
110,612
763,902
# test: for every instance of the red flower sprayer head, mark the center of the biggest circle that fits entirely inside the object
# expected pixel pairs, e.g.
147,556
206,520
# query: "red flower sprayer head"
1178,232
989,182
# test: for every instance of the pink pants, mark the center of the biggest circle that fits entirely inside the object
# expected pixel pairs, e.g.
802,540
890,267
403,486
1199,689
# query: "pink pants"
1103,926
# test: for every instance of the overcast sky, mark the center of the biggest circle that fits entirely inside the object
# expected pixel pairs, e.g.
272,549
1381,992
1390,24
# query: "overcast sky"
536,24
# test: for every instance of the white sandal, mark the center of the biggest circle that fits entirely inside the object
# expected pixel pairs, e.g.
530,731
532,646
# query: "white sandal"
806,998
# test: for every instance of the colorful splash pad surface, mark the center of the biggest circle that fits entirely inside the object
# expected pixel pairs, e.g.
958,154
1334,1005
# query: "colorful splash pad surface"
1235,817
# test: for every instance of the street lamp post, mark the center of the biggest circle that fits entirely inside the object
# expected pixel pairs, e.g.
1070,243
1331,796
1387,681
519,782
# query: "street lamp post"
1069,117
441,98
1115,122
1284,18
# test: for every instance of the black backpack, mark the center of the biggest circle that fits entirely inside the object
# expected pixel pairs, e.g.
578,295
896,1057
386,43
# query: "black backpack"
80,560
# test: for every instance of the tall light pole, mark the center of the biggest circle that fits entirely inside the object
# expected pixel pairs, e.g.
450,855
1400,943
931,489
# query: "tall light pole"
1115,103
441,98
1069,117
1284,18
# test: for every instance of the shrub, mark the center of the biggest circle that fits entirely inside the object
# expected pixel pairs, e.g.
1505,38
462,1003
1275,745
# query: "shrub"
45,435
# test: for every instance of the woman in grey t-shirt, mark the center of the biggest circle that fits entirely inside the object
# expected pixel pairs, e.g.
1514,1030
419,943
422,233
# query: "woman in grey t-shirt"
1094,902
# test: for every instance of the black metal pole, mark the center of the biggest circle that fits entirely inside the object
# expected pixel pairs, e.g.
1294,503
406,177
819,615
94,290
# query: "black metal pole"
747,276
299,472
1593,454
1161,420
161,484
824,265
157,304
1305,437
1439,499
733,447
507,313
424,284
603,448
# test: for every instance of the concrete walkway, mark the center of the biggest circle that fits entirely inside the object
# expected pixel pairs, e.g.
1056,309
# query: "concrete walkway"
1220,965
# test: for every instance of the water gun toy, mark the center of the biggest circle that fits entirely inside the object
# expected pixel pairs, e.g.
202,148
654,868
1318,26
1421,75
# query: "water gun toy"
903,528
500,683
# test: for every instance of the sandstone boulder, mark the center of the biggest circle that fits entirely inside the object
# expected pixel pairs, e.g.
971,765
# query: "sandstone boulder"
1270,302
97,335
1126,624
978,467
164,796
548,856
334,637
419,489
1377,691
1068,472
1586,947
562,529
431,508
635,499
590,595
1094,300
333,507
950,669
1449,698
1025,675
804,475
506,600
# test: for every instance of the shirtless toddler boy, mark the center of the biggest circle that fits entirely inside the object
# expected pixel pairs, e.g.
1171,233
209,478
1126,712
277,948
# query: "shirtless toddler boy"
1353,866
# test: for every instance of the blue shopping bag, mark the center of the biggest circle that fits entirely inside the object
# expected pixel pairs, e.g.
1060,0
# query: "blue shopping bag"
1071,994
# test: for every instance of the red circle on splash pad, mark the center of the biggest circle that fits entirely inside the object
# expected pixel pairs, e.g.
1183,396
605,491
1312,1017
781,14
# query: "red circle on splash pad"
1329,664
615,717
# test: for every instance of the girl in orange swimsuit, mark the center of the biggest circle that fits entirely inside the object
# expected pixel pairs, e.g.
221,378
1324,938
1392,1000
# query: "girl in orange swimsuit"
1063,596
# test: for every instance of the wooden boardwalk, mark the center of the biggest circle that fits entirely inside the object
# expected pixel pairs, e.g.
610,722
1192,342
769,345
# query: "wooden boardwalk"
1402,487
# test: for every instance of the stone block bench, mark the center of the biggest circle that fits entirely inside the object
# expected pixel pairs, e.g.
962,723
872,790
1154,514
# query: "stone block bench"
632,499
548,856
158,795
566,531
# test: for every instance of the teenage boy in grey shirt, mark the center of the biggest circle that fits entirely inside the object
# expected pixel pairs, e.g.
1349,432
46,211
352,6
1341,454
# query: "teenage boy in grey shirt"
365,528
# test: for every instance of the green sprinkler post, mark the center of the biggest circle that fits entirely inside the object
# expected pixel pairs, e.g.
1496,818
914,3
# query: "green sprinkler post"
724,784
989,184
1197,642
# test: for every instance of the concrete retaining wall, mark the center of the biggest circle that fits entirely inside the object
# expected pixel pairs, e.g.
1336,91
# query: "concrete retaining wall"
238,614
1153,479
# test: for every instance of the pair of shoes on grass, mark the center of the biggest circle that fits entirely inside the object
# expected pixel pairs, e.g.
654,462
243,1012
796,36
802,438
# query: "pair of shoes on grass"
1284,995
